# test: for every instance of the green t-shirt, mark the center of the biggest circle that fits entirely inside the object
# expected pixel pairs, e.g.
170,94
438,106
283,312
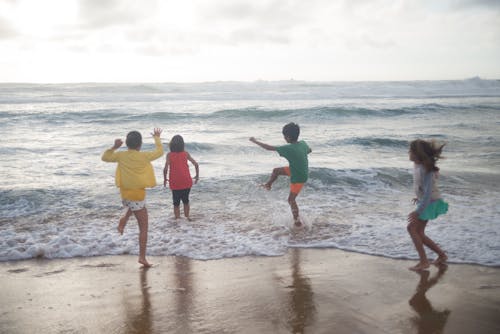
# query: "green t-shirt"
296,154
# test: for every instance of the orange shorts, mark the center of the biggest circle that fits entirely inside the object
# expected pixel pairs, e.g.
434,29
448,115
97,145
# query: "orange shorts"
294,187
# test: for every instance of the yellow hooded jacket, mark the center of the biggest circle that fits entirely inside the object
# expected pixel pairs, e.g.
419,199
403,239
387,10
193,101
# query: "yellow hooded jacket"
134,171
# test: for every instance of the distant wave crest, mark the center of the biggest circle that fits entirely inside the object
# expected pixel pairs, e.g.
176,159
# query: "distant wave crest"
259,90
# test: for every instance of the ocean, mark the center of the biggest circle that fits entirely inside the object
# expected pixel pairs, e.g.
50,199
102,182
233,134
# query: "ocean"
58,199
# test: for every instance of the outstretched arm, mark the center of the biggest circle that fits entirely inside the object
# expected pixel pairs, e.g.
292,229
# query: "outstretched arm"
158,152
263,145
109,154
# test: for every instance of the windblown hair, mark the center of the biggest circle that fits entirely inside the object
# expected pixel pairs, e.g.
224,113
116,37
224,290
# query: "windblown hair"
292,131
134,140
177,144
427,153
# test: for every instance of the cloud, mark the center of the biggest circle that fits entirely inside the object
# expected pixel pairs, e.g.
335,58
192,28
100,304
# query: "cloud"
245,36
245,21
98,14
6,30
269,39
486,4
271,14
198,27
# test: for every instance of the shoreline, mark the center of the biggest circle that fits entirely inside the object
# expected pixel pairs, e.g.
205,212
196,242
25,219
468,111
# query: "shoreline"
305,290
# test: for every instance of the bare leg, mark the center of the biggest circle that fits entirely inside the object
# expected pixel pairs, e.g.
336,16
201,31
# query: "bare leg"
441,260
274,175
442,257
177,212
295,208
142,220
415,230
186,211
124,220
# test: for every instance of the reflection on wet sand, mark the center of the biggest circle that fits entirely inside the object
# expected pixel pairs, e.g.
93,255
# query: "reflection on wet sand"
140,321
302,307
183,297
428,320
305,291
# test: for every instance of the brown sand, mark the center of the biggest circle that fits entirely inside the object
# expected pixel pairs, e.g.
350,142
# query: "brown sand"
305,291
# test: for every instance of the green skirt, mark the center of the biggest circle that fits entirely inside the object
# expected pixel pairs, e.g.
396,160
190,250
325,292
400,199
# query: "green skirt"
434,209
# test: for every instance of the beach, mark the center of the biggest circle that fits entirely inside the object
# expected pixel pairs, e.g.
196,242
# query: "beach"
303,291
239,266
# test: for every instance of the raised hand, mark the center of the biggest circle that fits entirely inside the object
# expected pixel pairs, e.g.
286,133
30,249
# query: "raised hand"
157,132
118,143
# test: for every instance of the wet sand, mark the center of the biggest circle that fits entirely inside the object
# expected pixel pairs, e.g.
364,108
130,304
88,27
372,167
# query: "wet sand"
304,291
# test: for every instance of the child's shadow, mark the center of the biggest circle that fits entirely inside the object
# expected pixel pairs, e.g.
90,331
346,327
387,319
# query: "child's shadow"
428,320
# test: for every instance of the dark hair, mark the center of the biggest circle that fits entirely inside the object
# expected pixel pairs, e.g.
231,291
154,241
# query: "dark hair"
292,131
427,153
176,144
134,140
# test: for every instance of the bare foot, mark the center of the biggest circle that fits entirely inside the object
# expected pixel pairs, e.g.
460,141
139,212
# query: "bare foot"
266,186
121,225
145,263
440,260
298,223
420,266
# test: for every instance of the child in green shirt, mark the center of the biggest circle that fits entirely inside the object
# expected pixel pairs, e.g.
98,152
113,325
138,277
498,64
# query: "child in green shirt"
296,153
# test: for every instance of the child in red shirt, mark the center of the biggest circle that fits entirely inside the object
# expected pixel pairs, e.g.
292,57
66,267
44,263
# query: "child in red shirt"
179,178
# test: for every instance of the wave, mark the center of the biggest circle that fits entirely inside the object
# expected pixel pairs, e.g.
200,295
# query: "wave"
29,202
200,147
97,116
321,178
371,142
259,90
317,113
344,208
15,203
398,179
320,113
323,112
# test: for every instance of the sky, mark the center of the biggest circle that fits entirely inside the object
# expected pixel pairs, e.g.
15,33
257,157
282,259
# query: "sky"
54,41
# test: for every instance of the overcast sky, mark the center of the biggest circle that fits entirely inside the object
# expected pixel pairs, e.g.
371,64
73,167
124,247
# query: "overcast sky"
210,40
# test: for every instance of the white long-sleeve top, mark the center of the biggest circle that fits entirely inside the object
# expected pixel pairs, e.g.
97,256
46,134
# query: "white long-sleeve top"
425,186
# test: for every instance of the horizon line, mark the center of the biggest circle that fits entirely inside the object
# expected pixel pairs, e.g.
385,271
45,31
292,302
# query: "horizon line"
238,81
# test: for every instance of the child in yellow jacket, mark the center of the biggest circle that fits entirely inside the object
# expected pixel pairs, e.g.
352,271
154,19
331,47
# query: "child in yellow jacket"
134,173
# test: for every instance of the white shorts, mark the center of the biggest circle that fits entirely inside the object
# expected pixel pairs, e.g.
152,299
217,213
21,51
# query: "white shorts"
134,205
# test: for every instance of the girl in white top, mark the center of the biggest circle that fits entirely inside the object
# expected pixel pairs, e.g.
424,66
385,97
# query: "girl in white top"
429,203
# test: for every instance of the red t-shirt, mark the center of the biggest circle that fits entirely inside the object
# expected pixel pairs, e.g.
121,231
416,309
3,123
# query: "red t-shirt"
178,174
